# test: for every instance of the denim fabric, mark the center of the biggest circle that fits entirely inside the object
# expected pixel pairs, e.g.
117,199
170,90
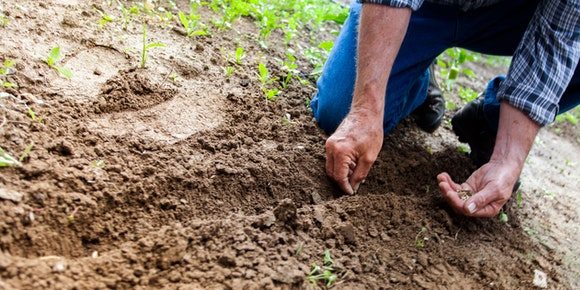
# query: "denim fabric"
496,29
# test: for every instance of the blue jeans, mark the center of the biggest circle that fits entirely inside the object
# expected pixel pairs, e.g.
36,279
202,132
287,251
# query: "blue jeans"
495,30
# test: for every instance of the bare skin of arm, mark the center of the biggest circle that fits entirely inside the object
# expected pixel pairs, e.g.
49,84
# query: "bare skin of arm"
493,182
355,145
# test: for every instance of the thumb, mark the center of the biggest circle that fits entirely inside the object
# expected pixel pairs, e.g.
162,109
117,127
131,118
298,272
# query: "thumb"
486,203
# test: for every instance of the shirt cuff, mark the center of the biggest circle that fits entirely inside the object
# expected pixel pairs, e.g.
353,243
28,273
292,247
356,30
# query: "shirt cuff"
413,4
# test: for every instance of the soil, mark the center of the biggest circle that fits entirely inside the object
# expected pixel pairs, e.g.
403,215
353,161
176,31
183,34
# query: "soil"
174,176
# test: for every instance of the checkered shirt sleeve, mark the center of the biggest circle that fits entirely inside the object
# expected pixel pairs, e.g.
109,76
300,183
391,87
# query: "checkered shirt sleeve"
545,61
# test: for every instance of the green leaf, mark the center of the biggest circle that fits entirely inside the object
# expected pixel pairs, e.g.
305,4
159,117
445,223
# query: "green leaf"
6,159
150,45
67,73
26,152
54,56
184,21
263,72
326,45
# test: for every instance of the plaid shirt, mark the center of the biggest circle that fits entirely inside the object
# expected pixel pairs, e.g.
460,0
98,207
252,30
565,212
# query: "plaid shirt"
544,61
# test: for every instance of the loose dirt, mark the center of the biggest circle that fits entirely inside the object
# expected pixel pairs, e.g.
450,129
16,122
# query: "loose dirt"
175,176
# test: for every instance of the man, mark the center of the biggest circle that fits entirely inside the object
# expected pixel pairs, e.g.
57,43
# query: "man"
377,74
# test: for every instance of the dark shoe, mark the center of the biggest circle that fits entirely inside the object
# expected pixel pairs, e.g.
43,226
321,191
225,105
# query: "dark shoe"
430,114
470,126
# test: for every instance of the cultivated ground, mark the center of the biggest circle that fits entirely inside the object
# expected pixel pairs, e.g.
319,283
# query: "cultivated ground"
177,176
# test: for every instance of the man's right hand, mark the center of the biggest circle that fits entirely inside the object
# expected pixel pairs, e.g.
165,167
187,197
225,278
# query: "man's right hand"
353,148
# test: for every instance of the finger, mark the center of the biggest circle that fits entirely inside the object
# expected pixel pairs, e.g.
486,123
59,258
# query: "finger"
360,173
449,191
486,203
342,171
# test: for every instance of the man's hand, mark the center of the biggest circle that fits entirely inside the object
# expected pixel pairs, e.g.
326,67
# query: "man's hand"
492,185
353,148
355,145
494,181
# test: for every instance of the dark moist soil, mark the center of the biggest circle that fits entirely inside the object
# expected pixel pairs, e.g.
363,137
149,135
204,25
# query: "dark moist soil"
174,176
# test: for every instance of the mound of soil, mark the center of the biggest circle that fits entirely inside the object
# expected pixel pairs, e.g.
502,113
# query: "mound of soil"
177,176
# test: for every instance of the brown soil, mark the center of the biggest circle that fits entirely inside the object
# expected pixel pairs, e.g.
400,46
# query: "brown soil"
139,181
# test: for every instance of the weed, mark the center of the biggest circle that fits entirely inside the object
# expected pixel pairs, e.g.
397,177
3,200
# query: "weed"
56,57
323,273
519,198
7,160
147,46
4,20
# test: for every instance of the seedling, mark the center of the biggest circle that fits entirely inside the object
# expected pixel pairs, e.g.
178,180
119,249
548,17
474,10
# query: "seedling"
54,58
3,20
502,216
419,239
229,70
530,231
7,160
323,273
6,69
99,163
105,18
147,46
26,152
519,198
240,54
264,74
299,249
191,22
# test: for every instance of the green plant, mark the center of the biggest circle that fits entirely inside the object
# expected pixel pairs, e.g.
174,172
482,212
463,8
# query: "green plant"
451,62
6,70
229,70
55,57
240,55
519,198
4,20
6,159
127,13
502,216
147,46
26,152
420,239
105,18
99,163
191,22
467,94
323,273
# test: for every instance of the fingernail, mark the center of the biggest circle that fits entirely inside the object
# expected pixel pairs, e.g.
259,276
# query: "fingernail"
471,207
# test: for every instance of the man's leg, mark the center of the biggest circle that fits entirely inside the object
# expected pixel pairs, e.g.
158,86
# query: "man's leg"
430,32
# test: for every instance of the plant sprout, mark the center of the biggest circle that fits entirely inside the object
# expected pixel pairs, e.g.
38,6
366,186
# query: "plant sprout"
7,160
323,273
147,46
54,58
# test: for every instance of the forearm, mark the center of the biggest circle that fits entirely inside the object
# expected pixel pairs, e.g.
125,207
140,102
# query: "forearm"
515,138
381,32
